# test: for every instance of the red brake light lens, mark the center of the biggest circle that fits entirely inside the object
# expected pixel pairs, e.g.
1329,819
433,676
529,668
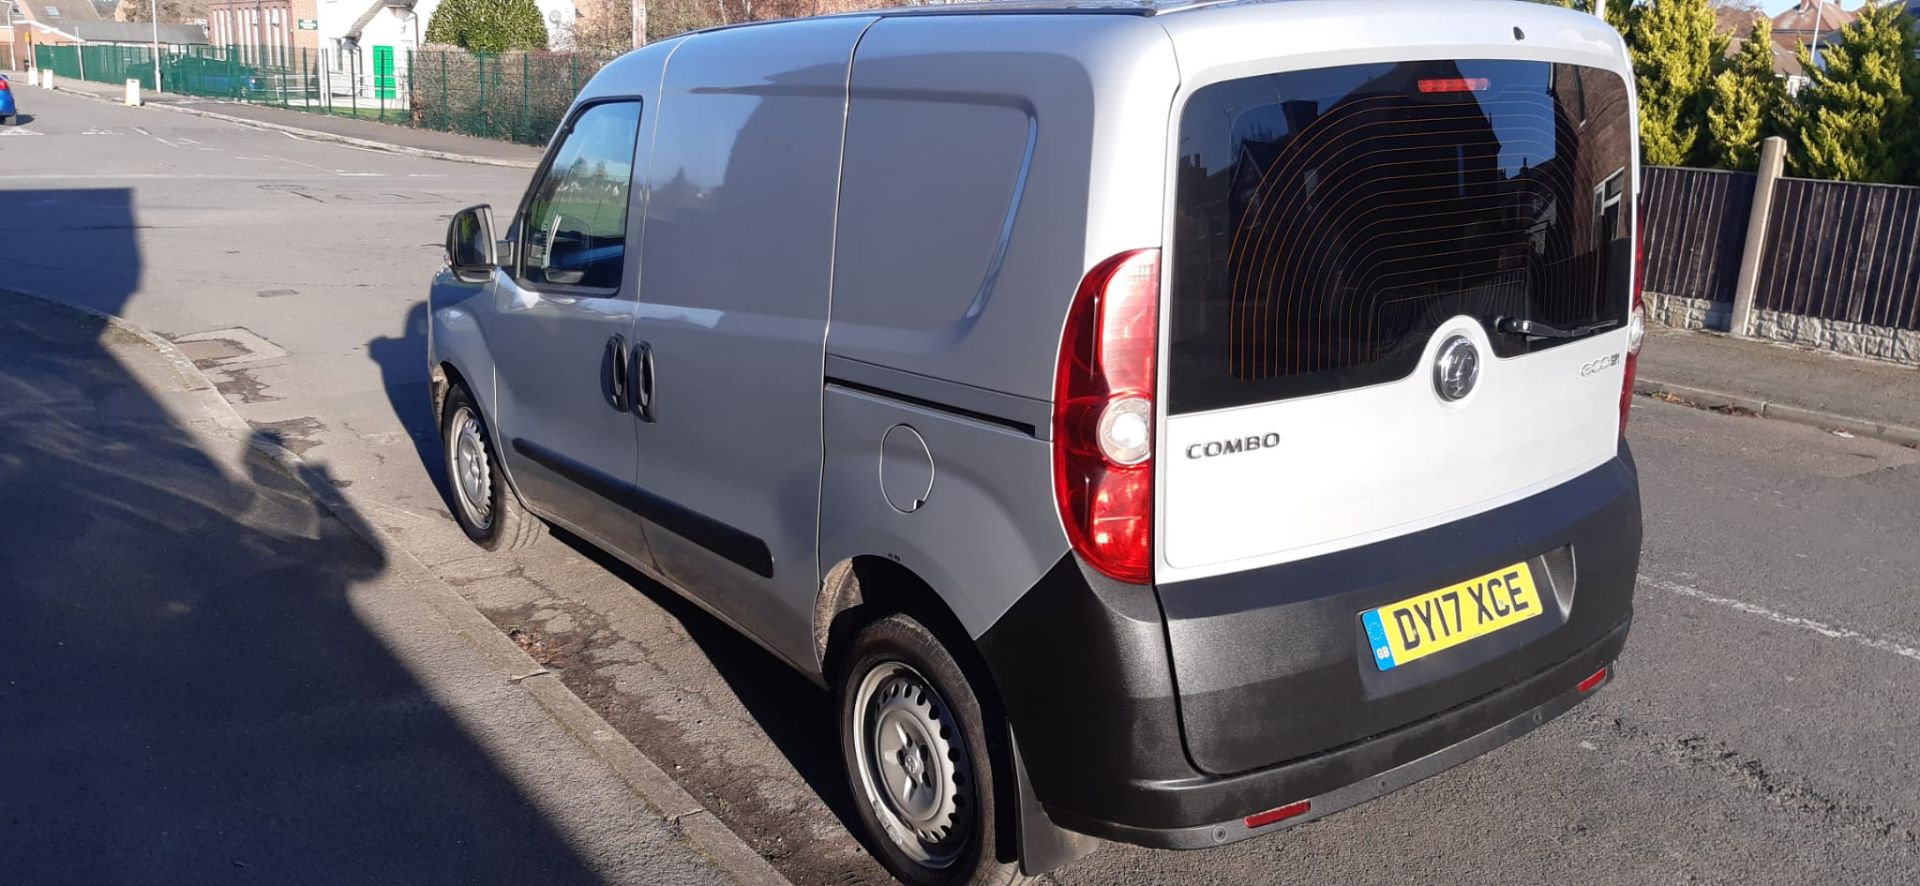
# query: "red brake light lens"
1455,84
3,85
1291,810
1593,682
1103,416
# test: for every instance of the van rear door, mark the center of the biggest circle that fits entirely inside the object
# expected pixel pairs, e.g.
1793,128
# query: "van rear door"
1399,295
1397,285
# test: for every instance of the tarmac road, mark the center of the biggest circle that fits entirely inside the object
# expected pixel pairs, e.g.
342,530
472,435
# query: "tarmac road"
1759,730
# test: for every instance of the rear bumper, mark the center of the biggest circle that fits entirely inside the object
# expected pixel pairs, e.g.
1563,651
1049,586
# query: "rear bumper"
1373,768
1116,747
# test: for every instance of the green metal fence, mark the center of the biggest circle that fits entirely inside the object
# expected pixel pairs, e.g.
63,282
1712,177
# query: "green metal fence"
517,97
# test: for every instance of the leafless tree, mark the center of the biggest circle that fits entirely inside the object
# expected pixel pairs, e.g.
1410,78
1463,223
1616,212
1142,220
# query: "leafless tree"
171,11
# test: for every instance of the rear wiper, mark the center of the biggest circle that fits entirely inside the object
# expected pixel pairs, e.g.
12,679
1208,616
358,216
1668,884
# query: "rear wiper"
1537,329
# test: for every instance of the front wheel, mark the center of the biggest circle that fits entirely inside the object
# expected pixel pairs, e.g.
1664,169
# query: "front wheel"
914,736
486,509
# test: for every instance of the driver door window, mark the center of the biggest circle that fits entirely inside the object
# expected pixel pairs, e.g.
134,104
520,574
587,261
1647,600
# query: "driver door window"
575,226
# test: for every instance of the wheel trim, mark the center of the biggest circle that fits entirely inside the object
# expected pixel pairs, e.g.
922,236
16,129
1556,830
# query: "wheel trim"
913,765
468,471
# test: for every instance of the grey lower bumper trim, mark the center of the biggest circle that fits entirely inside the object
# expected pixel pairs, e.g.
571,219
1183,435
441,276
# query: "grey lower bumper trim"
1381,784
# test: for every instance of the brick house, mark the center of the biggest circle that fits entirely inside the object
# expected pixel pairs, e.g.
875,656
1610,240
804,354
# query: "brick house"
1809,20
265,31
31,23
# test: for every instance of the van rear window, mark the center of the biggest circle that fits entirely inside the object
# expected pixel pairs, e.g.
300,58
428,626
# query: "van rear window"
1327,221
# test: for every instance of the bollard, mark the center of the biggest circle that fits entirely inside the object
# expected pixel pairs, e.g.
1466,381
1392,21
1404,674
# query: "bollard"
46,78
133,93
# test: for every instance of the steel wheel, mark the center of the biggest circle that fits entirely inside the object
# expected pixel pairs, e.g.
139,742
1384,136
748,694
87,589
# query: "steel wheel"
914,764
467,469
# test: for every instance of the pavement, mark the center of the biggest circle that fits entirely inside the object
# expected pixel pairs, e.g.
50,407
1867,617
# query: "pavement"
1819,388
1754,733
212,678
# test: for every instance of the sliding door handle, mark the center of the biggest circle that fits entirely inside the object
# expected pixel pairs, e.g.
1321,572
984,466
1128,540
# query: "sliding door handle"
641,382
618,389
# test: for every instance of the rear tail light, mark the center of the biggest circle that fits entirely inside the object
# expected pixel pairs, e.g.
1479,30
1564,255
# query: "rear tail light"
1636,325
1103,416
3,85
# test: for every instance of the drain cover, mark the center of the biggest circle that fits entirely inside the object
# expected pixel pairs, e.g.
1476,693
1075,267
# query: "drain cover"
227,347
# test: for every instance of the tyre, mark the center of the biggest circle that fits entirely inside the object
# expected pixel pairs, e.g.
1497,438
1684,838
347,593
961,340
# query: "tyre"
913,733
482,503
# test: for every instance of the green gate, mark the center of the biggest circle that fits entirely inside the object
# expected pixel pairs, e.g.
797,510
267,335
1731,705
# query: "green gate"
383,80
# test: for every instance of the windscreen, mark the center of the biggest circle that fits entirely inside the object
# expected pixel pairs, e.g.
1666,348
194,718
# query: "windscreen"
1328,221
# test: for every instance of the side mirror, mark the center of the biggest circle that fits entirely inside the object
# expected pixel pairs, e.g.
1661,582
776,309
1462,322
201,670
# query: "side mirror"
471,251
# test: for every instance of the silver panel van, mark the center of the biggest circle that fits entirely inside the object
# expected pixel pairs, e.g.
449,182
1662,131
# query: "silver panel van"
1162,422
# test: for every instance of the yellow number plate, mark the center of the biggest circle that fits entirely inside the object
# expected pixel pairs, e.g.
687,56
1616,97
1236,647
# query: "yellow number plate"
1417,627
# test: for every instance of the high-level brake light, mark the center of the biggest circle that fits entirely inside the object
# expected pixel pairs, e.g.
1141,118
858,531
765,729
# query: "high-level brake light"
1454,84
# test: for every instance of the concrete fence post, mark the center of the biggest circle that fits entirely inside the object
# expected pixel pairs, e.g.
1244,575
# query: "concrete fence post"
133,92
1773,153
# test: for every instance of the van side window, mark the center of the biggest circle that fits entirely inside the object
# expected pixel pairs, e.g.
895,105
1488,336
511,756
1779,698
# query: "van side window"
575,229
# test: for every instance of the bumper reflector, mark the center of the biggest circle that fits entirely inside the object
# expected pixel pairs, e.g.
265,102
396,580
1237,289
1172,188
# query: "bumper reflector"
1262,819
1593,682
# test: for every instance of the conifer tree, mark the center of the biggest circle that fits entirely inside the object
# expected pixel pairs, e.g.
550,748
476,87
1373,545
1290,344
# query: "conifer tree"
1676,54
1745,102
488,25
1856,120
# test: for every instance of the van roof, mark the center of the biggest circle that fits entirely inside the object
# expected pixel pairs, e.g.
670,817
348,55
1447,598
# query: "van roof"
1093,7
1090,7
1142,8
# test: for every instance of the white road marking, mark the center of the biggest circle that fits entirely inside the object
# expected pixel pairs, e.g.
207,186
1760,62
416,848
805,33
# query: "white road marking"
142,131
1822,628
360,174
293,161
15,132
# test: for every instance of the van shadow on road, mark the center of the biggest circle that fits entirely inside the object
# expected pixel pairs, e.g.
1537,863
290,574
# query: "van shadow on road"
190,694
403,375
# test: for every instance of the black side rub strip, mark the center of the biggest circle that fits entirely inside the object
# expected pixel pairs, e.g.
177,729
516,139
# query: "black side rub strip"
741,548
599,483
1008,423
1024,415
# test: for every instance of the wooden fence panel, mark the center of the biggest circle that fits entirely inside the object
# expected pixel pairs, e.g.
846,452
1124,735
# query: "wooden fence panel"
1696,225
1843,251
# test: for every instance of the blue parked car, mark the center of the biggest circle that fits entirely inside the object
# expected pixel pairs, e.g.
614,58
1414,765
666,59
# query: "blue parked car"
9,112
